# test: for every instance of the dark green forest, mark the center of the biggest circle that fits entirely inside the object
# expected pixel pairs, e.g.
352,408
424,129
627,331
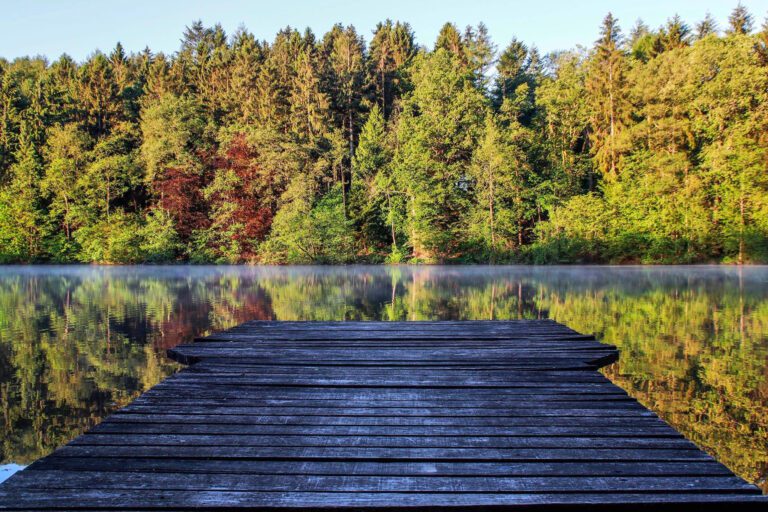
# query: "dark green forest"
651,146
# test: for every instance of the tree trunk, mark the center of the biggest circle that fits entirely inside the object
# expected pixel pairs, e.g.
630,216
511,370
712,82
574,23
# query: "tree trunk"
613,121
66,218
742,223
492,214
417,250
343,190
391,219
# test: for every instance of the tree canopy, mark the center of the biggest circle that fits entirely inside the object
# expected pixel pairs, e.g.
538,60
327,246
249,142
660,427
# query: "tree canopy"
646,147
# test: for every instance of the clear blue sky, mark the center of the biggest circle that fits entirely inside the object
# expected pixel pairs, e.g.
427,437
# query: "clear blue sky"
78,27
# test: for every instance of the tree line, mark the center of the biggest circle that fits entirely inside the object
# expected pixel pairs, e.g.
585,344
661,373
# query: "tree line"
650,146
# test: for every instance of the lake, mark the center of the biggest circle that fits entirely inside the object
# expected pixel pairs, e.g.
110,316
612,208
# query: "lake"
78,342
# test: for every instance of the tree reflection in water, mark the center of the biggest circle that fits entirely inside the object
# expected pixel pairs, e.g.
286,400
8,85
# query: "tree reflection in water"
78,342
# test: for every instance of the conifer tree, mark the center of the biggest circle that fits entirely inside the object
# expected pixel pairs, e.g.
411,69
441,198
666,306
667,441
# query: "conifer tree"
511,69
371,202
675,34
563,101
390,52
450,39
500,171
606,85
308,104
98,94
436,133
24,226
480,51
241,95
762,43
740,21
518,73
271,95
346,55
639,30
706,27
643,43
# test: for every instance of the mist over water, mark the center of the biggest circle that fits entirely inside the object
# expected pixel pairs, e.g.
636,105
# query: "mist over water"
77,342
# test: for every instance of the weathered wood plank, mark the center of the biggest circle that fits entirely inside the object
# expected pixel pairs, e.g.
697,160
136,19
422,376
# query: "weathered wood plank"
276,441
136,500
206,418
385,454
275,467
56,479
653,430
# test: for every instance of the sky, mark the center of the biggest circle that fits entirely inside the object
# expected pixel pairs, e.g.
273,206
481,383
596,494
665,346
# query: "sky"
78,27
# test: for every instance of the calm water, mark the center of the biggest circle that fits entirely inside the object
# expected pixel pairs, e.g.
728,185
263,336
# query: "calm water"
78,342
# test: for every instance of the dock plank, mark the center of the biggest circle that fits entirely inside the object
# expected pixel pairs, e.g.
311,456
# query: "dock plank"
383,416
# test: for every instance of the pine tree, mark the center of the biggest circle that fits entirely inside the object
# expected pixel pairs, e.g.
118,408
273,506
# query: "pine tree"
450,39
639,30
706,27
606,84
309,105
501,207
512,69
271,95
372,153
391,50
371,188
24,225
675,34
762,43
98,94
480,51
518,75
563,100
740,21
195,36
347,65
241,96
9,118
643,43
436,134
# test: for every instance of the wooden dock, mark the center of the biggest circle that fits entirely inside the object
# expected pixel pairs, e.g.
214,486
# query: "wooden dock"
377,415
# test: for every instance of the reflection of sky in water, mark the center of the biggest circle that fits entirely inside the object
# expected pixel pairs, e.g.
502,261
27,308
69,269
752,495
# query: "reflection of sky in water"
78,341
6,470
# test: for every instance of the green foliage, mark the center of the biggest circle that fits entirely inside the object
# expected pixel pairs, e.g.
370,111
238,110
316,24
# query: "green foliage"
309,233
116,239
501,177
230,149
437,132
23,234
66,155
158,239
172,130
370,190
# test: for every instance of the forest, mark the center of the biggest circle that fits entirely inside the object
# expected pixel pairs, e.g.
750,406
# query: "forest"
651,146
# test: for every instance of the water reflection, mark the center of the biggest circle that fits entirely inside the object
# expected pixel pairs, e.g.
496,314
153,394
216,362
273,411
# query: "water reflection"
78,342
